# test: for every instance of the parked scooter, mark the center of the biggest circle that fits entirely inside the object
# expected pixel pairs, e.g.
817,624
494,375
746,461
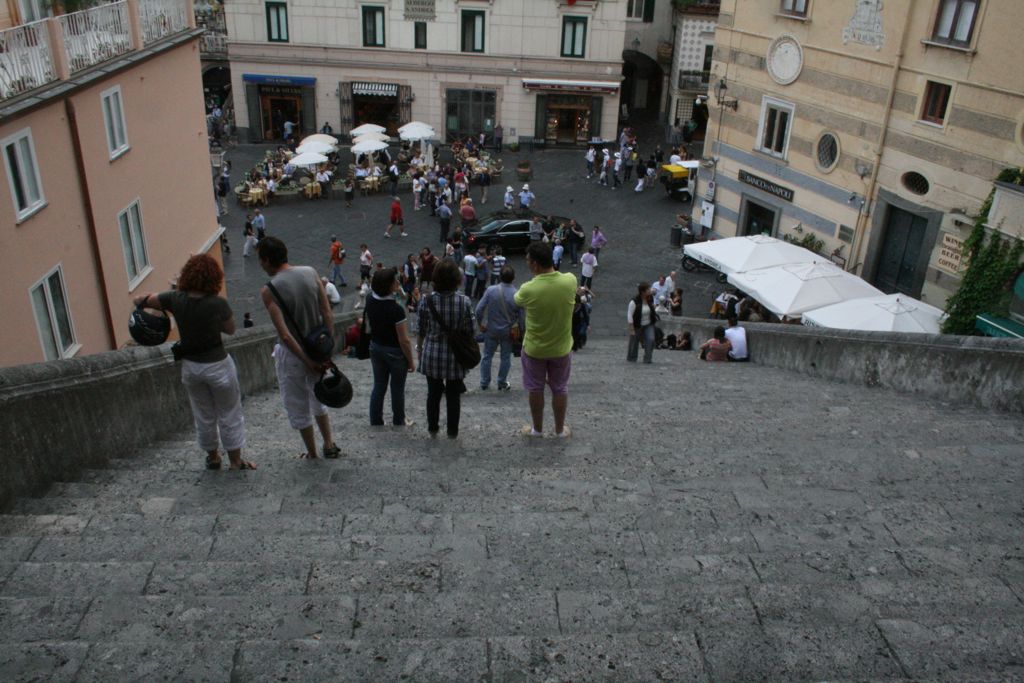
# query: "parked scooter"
692,265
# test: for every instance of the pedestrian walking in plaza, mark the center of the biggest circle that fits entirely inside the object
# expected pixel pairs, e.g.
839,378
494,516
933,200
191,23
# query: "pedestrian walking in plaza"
526,197
616,170
391,353
250,240
417,191
509,198
207,371
575,238
224,187
652,172
445,309
627,164
499,135
427,263
641,317
597,241
467,213
589,158
606,164
323,179
444,213
393,176
498,317
469,274
497,263
455,242
547,301
259,224
365,262
337,258
350,191
483,264
556,254
396,218
588,264
484,181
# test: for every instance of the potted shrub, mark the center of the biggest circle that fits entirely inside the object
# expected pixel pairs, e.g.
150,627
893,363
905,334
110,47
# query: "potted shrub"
523,170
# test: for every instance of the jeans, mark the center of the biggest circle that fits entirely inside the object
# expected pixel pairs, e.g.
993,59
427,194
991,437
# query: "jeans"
389,364
491,344
647,332
336,276
452,390
573,252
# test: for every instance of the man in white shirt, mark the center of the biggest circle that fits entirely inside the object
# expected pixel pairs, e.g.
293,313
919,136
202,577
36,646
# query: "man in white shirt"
323,178
738,337
658,290
333,295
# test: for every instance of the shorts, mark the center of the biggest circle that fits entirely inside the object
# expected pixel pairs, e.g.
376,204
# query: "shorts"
296,382
551,371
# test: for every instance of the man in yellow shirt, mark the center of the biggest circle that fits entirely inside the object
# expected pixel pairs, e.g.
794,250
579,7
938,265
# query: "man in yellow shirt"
548,300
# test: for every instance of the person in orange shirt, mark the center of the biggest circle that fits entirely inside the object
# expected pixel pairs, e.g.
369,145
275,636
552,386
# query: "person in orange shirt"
337,258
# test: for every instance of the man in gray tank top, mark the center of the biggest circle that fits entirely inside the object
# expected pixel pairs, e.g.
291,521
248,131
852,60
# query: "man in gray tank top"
303,295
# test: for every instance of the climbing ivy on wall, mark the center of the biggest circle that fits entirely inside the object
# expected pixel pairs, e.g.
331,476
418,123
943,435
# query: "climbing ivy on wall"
993,262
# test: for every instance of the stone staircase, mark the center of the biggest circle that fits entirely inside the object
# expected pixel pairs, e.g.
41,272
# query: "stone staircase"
706,522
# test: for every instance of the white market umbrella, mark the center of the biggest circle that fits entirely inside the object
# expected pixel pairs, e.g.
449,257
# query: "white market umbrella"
368,146
316,147
382,137
737,254
320,137
417,133
793,289
886,313
414,124
367,128
308,159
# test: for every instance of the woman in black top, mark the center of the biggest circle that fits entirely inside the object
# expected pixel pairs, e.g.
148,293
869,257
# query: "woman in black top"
390,348
207,371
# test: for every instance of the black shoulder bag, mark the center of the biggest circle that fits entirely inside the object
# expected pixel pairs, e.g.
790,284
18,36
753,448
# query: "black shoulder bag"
318,343
463,345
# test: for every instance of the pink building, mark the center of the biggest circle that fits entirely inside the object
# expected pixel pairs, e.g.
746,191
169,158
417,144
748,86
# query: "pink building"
106,188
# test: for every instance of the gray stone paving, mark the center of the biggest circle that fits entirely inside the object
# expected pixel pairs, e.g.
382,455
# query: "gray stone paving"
706,522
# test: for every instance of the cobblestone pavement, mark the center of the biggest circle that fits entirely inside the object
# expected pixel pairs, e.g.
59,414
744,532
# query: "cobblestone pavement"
637,227
706,522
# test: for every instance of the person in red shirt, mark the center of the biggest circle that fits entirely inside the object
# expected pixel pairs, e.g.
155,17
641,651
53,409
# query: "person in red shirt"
396,218
468,214
337,258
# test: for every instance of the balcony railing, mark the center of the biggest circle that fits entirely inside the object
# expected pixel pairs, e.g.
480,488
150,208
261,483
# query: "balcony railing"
213,44
95,35
25,61
161,18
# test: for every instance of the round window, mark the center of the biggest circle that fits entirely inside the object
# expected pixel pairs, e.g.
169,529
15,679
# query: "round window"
827,154
916,183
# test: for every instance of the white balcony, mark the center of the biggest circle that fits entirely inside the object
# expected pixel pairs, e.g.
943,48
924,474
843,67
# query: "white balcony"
162,18
25,60
95,35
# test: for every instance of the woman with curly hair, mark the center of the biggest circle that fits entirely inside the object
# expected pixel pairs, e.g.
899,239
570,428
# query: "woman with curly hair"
207,371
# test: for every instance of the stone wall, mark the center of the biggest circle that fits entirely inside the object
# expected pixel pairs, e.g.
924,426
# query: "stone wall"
978,371
61,417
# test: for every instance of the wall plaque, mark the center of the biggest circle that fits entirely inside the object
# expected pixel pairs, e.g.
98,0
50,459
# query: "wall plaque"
766,185
420,10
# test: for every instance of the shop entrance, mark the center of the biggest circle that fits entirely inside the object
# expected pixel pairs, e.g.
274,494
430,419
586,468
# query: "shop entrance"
277,105
900,258
757,219
567,120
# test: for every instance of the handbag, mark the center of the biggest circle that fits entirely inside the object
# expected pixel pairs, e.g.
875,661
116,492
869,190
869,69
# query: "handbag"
318,343
363,345
464,347
513,326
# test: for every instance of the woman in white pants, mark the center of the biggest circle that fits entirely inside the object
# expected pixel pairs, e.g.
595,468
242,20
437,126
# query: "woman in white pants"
207,371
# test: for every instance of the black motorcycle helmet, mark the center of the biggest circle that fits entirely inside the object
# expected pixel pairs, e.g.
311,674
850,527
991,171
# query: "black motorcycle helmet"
149,326
333,389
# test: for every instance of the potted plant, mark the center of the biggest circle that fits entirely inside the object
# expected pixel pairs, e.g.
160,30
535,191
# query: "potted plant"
523,170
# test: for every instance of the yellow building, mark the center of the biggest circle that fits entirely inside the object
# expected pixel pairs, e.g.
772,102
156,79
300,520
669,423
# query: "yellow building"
106,185
876,128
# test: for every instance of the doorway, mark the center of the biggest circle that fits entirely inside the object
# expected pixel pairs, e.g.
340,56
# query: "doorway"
757,219
900,257
277,108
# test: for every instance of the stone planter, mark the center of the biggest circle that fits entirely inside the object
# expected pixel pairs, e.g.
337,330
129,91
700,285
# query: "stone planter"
523,172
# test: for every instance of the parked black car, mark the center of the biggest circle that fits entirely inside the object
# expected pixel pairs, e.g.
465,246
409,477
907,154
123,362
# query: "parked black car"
509,229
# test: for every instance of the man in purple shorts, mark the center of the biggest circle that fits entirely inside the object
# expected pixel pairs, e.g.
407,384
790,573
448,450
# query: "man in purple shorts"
548,300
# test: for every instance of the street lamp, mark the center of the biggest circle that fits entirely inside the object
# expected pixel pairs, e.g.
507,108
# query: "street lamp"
725,102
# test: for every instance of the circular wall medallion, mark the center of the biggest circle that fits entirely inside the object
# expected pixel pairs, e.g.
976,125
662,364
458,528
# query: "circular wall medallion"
785,59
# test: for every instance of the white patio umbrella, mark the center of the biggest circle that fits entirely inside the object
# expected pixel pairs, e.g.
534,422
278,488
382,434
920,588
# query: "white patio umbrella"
368,146
367,128
795,288
737,254
383,137
414,124
886,313
308,159
316,146
319,137
417,133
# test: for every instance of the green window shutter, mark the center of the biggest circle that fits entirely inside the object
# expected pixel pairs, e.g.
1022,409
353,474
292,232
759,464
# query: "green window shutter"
252,103
649,11
540,123
595,117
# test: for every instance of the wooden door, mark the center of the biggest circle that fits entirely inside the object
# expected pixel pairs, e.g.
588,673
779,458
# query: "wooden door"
901,253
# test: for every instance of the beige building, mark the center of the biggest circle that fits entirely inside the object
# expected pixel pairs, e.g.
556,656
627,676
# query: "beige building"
106,188
543,69
876,127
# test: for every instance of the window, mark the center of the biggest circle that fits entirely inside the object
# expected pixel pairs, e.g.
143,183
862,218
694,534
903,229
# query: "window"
709,56
53,319
635,9
23,173
773,135
472,31
113,117
955,21
134,244
373,26
826,154
796,8
574,36
420,37
936,100
277,22
916,183
33,10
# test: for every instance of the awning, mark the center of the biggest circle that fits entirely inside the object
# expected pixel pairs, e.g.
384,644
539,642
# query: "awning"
267,79
603,87
375,89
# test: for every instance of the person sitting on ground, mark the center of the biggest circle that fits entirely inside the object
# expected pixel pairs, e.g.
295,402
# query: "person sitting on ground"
679,341
717,348
737,337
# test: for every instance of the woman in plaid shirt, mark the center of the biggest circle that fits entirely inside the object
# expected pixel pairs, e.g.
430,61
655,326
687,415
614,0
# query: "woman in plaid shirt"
437,362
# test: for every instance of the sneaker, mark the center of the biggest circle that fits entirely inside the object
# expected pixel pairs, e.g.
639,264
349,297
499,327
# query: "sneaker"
529,432
332,453
504,386
387,235
565,433
405,234
407,423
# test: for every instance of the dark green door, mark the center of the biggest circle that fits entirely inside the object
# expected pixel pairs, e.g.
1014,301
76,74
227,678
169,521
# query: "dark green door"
901,253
